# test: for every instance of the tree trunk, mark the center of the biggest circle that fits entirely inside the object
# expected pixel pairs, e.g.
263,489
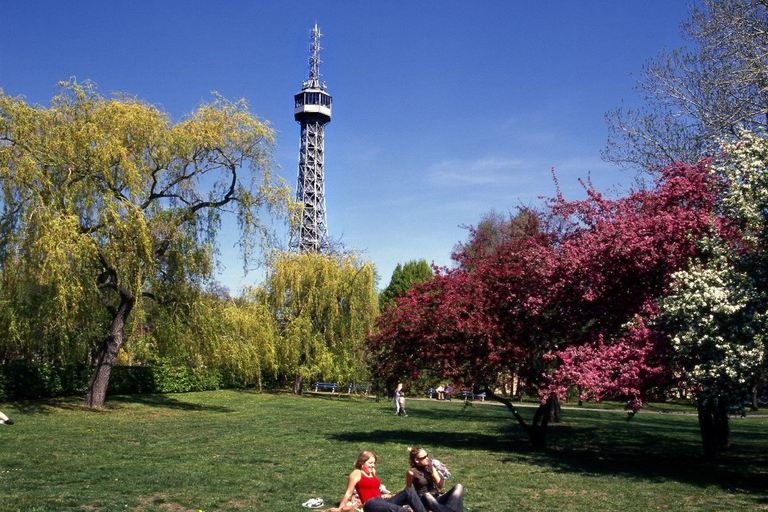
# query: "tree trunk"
537,430
706,425
713,423
107,354
722,427
548,411
754,392
297,384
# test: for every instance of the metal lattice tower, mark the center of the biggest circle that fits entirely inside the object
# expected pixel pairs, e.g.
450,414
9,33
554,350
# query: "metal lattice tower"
312,109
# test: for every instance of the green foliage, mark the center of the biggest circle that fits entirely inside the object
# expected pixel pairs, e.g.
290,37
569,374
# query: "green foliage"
37,325
27,380
23,380
197,329
128,380
403,279
323,306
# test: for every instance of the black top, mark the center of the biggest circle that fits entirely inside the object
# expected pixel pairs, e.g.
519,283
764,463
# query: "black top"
423,482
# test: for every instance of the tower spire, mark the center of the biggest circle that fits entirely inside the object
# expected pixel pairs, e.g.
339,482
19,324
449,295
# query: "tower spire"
312,110
313,81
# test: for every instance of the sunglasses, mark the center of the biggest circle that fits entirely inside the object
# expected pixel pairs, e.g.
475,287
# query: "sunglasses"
422,458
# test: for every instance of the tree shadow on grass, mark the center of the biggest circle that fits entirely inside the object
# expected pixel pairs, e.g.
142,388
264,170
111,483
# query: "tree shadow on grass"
445,439
493,414
51,405
649,456
162,401
658,451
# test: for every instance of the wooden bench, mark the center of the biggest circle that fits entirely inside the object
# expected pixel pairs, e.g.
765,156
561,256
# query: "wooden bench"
324,386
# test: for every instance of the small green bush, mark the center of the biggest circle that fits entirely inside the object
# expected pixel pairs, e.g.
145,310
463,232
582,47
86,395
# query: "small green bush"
27,380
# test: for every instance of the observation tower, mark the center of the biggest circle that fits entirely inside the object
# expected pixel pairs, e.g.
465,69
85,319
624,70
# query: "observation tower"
312,110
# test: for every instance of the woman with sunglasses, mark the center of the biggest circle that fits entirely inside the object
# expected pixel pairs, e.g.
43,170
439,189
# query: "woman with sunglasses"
363,479
428,483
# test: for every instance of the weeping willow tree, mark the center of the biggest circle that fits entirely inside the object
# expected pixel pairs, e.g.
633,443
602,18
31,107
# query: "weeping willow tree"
201,330
35,325
106,202
323,306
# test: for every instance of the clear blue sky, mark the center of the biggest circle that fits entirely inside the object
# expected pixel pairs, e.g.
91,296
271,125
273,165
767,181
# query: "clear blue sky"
443,110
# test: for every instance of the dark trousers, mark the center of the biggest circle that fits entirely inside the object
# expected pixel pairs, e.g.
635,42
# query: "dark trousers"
394,504
451,501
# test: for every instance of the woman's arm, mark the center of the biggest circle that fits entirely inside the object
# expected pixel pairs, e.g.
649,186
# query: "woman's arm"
409,478
354,478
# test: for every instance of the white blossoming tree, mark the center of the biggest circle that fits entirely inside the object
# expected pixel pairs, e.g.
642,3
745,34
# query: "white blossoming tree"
717,312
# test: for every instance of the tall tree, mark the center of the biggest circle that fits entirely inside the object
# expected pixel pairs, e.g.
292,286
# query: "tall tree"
475,324
717,313
493,231
696,94
112,192
324,307
403,279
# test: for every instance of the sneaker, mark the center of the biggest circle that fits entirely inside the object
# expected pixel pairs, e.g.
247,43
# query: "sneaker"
313,503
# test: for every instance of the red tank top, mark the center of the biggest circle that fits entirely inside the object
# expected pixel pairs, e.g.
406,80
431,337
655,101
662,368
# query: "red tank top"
368,487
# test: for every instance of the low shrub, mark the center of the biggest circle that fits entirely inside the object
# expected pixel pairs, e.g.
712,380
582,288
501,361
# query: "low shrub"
24,380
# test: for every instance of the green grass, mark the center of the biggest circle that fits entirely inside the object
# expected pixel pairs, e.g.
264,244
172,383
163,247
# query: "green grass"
234,450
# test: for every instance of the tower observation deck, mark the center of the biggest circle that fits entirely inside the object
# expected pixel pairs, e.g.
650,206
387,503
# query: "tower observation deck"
312,110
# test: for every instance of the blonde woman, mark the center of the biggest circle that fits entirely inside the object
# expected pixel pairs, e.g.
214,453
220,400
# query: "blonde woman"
363,479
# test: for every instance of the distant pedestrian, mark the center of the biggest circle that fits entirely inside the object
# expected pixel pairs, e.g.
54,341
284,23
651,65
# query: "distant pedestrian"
398,389
401,403
5,420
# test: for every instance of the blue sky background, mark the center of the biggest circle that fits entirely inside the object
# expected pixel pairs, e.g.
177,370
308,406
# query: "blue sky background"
443,110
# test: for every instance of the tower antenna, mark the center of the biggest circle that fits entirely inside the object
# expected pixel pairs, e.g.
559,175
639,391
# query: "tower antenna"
314,60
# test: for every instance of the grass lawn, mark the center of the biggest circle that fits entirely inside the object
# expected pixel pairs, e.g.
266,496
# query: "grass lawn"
240,450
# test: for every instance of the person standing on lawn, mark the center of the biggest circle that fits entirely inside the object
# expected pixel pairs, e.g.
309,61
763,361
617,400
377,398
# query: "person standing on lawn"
398,389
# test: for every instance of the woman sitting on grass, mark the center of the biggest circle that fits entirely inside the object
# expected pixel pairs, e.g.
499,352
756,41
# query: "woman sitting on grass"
363,479
428,482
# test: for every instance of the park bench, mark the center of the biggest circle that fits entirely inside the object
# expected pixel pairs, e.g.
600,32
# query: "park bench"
468,395
324,386
357,388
